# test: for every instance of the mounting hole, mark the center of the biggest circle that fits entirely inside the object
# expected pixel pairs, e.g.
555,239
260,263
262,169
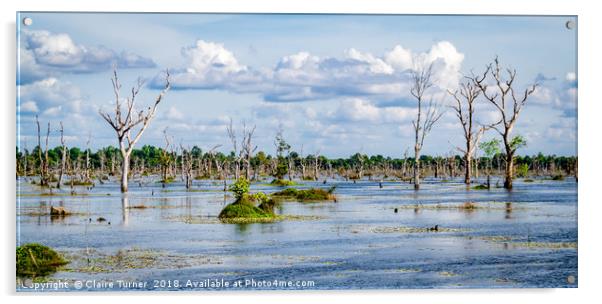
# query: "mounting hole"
27,21
570,24
570,279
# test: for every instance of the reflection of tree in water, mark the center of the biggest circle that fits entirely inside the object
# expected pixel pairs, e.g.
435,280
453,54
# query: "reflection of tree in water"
125,209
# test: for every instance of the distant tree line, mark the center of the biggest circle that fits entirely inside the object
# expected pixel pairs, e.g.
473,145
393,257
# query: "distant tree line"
84,165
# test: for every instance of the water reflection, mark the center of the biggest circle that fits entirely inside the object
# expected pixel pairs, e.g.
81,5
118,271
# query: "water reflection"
125,209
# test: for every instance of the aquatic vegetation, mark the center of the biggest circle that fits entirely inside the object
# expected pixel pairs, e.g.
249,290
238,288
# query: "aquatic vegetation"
447,274
558,177
93,261
282,183
78,183
480,187
306,195
546,245
528,180
244,209
37,260
402,229
167,180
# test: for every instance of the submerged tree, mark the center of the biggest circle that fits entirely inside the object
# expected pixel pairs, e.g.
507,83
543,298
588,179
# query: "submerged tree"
509,104
43,156
124,122
465,98
428,114
490,148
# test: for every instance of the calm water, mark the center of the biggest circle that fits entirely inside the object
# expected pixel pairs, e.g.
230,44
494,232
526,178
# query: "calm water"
355,243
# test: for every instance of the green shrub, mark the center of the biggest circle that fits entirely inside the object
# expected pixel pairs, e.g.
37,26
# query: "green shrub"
240,188
522,170
37,260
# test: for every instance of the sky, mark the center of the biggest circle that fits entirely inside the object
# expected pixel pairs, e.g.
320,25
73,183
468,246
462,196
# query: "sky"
335,84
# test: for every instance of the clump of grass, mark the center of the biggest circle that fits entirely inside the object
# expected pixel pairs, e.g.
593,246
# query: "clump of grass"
528,180
307,195
558,177
78,183
480,187
282,183
167,180
468,206
37,260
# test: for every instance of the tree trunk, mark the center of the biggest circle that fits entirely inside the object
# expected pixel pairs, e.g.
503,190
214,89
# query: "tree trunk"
468,169
509,169
416,168
125,168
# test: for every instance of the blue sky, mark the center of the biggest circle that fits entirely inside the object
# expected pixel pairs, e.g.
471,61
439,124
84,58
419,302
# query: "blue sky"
336,83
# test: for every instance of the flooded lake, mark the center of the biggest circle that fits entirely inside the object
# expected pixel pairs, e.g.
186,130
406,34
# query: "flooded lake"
167,236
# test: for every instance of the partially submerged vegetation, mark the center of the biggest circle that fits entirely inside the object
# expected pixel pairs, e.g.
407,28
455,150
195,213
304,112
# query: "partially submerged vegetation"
247,207
307,195
34,260
282,182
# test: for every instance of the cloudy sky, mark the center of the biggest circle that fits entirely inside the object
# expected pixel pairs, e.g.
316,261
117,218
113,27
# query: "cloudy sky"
337,84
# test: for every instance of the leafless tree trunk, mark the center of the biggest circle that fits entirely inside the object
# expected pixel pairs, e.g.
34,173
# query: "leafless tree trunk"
43,157
421,82
504,91
187,164
232,136
465,98
123,123
316,165
247,149
63,158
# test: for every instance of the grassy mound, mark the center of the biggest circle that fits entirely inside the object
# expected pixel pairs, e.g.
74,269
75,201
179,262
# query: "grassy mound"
78,183
244,209
37,260
312,194
282,183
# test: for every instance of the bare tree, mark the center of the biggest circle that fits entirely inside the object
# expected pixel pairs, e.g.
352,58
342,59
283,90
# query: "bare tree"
465,98
43,157
232,136
63,157
187,164
421,82
504,97
247,149
124,122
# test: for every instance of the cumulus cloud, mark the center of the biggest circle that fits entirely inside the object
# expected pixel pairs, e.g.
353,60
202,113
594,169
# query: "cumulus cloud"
303,76
50,96
44,54
558,94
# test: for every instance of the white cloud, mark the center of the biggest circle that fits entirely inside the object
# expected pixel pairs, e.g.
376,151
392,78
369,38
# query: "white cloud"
303,76
44,54
29,106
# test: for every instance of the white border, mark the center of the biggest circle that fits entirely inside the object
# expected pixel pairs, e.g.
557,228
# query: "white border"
589,137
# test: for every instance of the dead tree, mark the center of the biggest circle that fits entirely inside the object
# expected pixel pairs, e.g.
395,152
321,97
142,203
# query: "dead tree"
421,82
504,97
63,158
232,136
43,157
187,166
247,149
124,122
465,98
316,165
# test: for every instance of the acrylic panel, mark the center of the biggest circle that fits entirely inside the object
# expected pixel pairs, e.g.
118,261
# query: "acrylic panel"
197,152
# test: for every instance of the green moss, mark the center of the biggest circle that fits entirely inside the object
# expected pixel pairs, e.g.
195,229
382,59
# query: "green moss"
480,187
306,195
37,260
282,183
